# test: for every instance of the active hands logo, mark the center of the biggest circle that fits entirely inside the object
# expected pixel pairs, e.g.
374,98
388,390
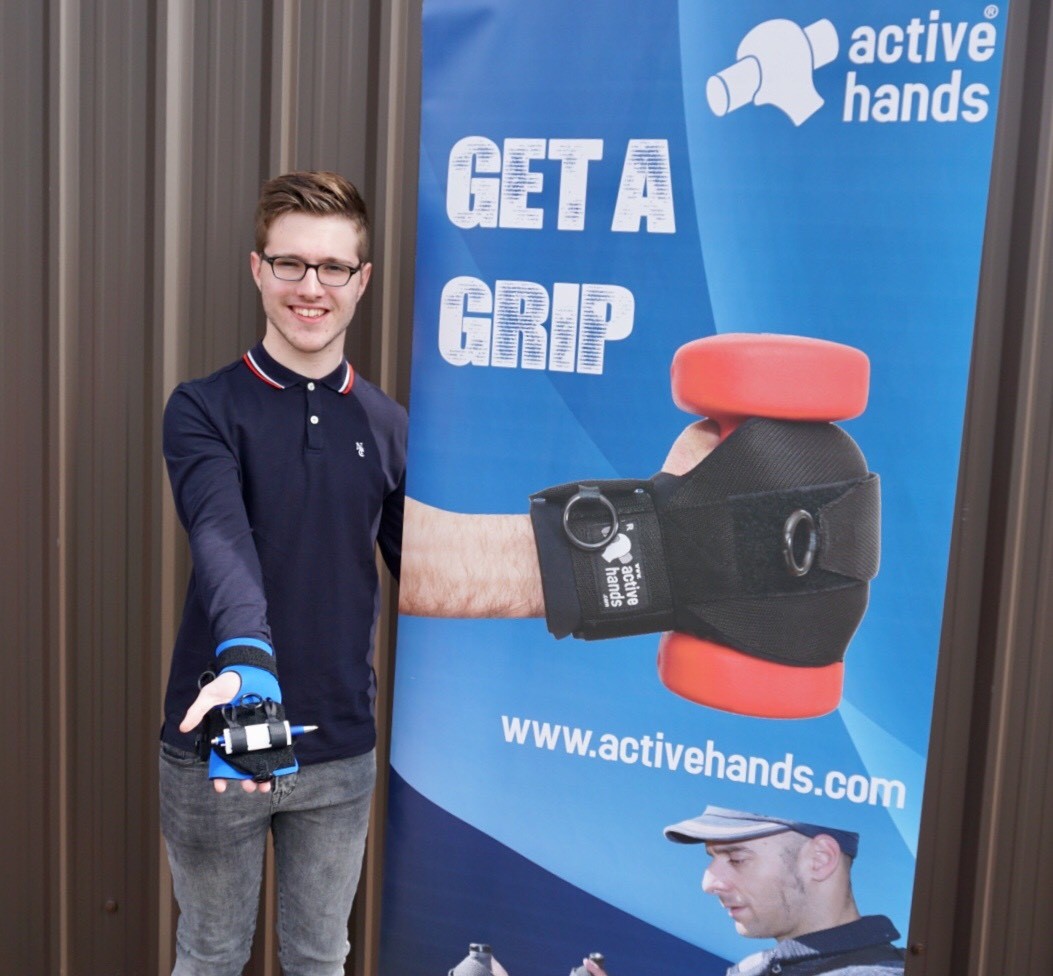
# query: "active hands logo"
927,68
622,584
776,60
621,549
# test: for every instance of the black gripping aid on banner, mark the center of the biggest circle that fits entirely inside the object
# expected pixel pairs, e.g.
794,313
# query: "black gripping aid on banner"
757,561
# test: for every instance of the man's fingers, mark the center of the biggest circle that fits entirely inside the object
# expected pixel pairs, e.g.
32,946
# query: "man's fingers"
217,692
695,442
248,785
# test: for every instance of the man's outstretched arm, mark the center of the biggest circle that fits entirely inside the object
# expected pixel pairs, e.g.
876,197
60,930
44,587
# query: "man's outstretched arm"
456,565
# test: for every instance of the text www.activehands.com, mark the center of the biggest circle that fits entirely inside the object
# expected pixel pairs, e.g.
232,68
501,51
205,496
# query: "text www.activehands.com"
654,751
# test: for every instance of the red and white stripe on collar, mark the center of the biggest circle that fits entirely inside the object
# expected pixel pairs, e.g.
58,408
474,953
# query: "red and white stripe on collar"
258,370
349,380
345,387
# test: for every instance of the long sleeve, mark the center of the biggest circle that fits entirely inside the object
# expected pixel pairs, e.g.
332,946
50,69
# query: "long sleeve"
206,483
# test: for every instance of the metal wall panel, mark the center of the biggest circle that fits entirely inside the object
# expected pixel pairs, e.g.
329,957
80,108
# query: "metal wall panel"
1006,908
109,487
29,920
985,873
135,137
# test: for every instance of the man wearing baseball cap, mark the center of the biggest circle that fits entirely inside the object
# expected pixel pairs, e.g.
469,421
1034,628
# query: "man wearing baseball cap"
789,880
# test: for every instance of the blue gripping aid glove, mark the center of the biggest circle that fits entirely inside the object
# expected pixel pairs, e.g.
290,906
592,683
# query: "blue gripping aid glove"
257,703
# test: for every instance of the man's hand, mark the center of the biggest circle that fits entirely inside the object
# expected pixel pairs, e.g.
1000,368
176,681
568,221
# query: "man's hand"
594,968
456,565
693,445
216,693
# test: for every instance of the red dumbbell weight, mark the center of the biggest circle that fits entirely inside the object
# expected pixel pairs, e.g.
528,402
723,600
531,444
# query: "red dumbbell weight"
729,378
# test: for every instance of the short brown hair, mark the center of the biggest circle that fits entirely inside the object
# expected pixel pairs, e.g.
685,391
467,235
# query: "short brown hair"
320,193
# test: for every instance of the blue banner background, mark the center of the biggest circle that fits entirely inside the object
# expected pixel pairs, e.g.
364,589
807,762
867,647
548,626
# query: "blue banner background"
867,233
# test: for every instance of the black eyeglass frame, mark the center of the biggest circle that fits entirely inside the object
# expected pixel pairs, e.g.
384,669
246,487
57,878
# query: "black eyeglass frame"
271,258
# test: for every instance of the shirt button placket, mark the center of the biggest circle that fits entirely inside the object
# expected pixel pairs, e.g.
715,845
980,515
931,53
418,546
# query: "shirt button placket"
314,428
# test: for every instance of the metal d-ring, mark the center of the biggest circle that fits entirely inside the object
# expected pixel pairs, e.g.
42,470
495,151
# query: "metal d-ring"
789,531
591,493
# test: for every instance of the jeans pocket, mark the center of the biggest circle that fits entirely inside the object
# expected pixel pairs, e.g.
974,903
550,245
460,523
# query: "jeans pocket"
175,756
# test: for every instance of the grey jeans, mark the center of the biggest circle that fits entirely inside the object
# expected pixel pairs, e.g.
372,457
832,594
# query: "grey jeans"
216,844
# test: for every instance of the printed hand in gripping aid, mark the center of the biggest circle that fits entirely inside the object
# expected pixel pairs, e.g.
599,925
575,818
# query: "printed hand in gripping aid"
775,64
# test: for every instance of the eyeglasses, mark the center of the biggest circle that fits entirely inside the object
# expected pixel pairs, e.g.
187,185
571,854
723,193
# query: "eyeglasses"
329,273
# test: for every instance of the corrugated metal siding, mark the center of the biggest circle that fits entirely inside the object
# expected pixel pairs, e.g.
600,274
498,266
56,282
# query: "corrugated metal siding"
135,137
1009,832
985,872
28,823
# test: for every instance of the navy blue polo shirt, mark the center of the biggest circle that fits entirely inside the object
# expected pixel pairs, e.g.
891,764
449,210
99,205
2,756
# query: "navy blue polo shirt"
285,486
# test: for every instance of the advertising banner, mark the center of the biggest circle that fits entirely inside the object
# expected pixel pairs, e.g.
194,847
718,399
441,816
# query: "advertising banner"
600,186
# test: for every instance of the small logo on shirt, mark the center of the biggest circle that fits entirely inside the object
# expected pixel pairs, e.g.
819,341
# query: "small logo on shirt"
360,448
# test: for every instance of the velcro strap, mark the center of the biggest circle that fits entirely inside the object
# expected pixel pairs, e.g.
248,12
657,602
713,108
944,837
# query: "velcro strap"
617,556
850,529
246,654
261,764
738,547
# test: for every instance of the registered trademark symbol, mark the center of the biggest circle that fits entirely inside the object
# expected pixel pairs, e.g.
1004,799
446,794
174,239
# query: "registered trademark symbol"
990,11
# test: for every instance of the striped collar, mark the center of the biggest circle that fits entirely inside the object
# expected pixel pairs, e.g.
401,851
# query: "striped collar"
267,368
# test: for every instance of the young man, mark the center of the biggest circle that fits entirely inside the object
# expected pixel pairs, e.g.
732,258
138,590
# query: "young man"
287,470
790,881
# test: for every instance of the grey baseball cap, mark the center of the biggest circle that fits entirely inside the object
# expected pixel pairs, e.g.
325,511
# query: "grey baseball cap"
718,825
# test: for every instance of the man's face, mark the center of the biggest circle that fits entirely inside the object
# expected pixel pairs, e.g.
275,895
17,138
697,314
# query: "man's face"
760,884
306,318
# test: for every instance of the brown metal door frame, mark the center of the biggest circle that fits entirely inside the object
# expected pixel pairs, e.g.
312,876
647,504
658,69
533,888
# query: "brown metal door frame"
985,880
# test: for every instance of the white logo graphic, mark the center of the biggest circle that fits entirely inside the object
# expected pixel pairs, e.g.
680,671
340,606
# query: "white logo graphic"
360,448
620,549
775,64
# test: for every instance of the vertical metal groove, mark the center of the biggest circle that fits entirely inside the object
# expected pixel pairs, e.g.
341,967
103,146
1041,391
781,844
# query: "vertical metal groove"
393,104
66,220
176,31
289,66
